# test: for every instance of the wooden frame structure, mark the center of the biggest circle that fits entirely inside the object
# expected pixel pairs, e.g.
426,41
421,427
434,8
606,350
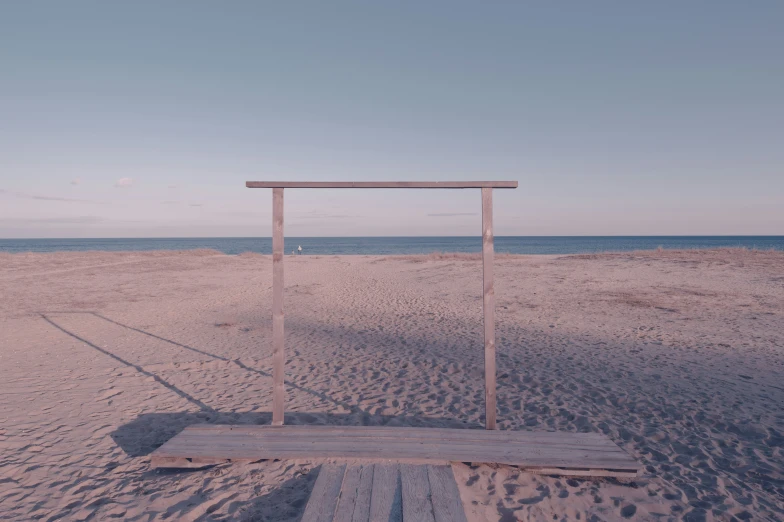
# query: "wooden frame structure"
557,453
488,293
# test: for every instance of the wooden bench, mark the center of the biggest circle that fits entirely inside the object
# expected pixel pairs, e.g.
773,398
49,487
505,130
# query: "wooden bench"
384,492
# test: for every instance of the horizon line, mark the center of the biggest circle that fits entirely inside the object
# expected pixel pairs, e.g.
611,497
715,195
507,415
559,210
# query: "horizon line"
393,236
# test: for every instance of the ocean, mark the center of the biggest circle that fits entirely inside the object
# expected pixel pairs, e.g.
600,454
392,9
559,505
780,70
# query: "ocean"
398,245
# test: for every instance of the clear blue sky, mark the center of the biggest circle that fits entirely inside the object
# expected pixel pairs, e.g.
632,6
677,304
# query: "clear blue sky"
146,118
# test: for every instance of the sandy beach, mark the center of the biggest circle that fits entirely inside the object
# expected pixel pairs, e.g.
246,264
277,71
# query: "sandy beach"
678,357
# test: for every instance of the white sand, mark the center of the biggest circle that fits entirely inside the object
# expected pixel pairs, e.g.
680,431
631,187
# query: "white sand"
677,357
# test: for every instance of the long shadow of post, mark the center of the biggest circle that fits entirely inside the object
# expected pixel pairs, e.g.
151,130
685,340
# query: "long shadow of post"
149,431
285,503
237,362
136,367
322,396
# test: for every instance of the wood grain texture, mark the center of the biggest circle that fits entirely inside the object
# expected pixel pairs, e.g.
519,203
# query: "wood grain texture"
415,486
557,453
402,432
362,505
447,506
385,499
348,493
488,306
540,455
278,355
382,184
384,493
324,497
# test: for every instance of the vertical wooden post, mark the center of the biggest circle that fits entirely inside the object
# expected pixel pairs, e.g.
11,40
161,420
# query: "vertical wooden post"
278,357
488,306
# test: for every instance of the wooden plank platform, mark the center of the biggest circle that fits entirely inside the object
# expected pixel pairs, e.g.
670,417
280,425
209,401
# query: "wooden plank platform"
388,492
554,453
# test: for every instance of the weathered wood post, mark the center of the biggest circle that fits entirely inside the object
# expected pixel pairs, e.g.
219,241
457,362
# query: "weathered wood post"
278,357
488,305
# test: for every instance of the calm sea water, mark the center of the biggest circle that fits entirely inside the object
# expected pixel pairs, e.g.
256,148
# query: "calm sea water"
398,245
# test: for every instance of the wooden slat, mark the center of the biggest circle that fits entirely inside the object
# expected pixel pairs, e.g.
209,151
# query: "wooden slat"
415,487
541,456
372,434
278,356
324,497
548,458
385,499
268,440
544,452
362,506
349,493
382,184
447,506
402,432
361,443
384,492
507,444
488,306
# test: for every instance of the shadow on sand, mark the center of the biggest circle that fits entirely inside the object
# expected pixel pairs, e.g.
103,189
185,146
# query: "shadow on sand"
47,316
149,431
285,503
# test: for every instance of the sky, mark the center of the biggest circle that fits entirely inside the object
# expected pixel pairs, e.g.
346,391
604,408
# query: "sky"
145,119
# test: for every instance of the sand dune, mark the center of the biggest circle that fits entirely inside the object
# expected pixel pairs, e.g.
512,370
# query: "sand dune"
677,356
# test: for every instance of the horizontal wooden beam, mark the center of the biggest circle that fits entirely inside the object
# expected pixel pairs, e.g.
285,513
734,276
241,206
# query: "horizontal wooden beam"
383,184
